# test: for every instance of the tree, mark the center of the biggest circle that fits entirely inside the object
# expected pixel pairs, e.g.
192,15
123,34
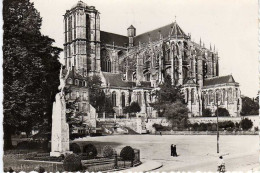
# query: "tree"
176,113
167,93
133,108
222,112
30,68
206,112
246,124
250,106
97,96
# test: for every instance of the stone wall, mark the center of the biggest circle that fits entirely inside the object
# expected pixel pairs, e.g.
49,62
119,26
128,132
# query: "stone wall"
253,118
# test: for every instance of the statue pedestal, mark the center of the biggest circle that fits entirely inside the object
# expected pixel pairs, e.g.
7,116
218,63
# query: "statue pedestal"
60,128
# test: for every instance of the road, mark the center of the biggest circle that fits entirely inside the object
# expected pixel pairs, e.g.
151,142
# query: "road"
196,152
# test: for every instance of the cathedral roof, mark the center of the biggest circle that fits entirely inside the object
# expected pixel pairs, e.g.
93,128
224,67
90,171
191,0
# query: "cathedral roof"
172,29
219,80
116,80
110,38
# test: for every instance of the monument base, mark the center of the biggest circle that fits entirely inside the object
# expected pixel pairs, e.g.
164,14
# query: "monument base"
57,153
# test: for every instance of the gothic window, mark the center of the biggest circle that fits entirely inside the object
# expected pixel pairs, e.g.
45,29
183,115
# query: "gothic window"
236,93
230,96
185,73
69,81
187,95
114,99
148,76
105,61
139,98
129,98
211,97
70,28
205,100
74,26
77,94
167,55
84,96
76,82
84,107
192,96
205,69
123,99
145,99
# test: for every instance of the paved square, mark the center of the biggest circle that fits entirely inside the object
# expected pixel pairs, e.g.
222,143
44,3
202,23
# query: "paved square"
196,152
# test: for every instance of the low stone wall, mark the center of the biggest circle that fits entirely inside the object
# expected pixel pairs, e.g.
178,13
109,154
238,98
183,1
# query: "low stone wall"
253,118
209,133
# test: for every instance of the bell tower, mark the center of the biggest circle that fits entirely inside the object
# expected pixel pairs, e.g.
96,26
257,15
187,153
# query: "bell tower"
82,39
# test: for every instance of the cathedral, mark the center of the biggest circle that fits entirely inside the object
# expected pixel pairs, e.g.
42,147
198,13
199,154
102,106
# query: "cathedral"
131,67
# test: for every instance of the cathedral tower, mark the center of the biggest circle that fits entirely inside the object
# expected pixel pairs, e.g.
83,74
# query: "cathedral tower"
82,38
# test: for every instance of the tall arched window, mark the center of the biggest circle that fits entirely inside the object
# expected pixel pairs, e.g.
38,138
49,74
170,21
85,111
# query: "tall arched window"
129,98
114,99
139,98
69,81
187,95
123,99
224,95
211,96
230,96
192,95
105,61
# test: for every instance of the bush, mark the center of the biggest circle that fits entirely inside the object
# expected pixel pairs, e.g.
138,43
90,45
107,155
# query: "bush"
72,162
202,127
256,129
75,148
108,151
22,145
39,169
226,124
206,113
246,124
90,151
127,153
222,112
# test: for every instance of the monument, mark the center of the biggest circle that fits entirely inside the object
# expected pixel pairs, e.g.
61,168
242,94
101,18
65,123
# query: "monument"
60,128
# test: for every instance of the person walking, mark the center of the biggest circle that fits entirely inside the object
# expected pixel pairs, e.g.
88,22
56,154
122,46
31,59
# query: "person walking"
174,151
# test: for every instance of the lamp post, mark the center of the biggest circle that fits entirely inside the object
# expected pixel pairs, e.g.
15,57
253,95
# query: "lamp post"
217,124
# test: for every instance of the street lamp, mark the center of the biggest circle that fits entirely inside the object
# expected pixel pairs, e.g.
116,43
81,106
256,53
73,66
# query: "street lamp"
217,124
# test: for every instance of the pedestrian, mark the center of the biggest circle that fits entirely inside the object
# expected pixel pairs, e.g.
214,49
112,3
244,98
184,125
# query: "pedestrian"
221,165
174,151
160,133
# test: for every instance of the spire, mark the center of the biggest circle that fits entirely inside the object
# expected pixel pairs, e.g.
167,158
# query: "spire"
214,47
210,47
160,35
149,38
200,41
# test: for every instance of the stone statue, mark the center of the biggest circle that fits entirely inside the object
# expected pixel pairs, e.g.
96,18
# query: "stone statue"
63,81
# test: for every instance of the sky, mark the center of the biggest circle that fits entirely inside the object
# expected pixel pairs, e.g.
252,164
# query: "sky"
229,25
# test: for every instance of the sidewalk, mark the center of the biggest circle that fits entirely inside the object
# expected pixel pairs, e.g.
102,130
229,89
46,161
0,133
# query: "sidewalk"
147,165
